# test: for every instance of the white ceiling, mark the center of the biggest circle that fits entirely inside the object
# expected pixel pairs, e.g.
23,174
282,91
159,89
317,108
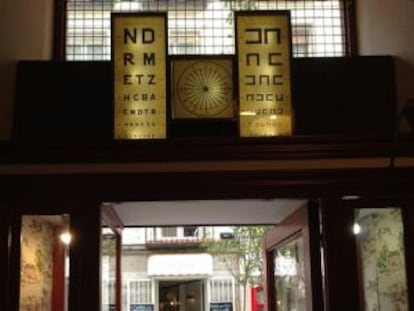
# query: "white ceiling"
206,212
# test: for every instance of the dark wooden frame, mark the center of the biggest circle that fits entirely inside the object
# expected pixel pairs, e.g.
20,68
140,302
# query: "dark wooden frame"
59,30
110,218
338,219
335,217
303,222
84,291
344,146
342,290
407,213
351,33
408,222
49,190
58,275
5,223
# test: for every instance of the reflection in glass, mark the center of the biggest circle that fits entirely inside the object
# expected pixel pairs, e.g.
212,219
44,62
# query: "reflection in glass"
108,269
382,265
44,263
290,276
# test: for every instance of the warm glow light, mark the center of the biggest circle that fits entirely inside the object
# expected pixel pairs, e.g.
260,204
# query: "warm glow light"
247,113
356,228
66,237
351,197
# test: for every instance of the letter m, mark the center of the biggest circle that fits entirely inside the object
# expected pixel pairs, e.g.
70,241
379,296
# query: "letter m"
149,59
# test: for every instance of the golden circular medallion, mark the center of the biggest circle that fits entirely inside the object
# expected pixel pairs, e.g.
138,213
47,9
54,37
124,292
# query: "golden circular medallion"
205,89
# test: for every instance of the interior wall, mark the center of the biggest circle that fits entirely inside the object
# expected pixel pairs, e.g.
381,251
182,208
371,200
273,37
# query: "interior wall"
385,27
37,241
25,33
382,261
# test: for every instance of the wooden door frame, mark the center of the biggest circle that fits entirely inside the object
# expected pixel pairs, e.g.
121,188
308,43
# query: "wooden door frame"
77,193
84,249
304,221
337,221
341,270
111,219
408,222
77,176
5,231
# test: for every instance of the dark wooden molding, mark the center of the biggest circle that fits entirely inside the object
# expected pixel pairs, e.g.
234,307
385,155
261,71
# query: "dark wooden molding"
408,221
314,228
58,275
15,256
84,287
351,34
69,102
340,257
5,223
118,271
302,222
208,185
206,149
59,31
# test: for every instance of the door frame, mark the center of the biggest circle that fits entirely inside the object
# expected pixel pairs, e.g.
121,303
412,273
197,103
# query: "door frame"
337,220
5,236
77,193
187,279
110,218
27,207
303,221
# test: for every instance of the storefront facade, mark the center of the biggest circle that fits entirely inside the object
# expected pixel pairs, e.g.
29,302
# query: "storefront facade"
67,189
346,155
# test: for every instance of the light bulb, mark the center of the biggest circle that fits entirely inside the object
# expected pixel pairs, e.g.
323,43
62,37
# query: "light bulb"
66,237
356,228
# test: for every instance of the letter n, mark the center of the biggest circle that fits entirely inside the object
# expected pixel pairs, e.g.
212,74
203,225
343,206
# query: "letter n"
128,35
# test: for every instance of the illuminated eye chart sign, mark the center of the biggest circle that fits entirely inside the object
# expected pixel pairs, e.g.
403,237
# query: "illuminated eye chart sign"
264,57
139,55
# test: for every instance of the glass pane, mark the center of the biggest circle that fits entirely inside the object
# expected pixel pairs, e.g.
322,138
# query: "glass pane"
290,276
190,231
169,232
108,269
205,27
44,263
382,265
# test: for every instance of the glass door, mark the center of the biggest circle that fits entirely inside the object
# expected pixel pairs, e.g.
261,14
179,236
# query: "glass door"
293,263
111,240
